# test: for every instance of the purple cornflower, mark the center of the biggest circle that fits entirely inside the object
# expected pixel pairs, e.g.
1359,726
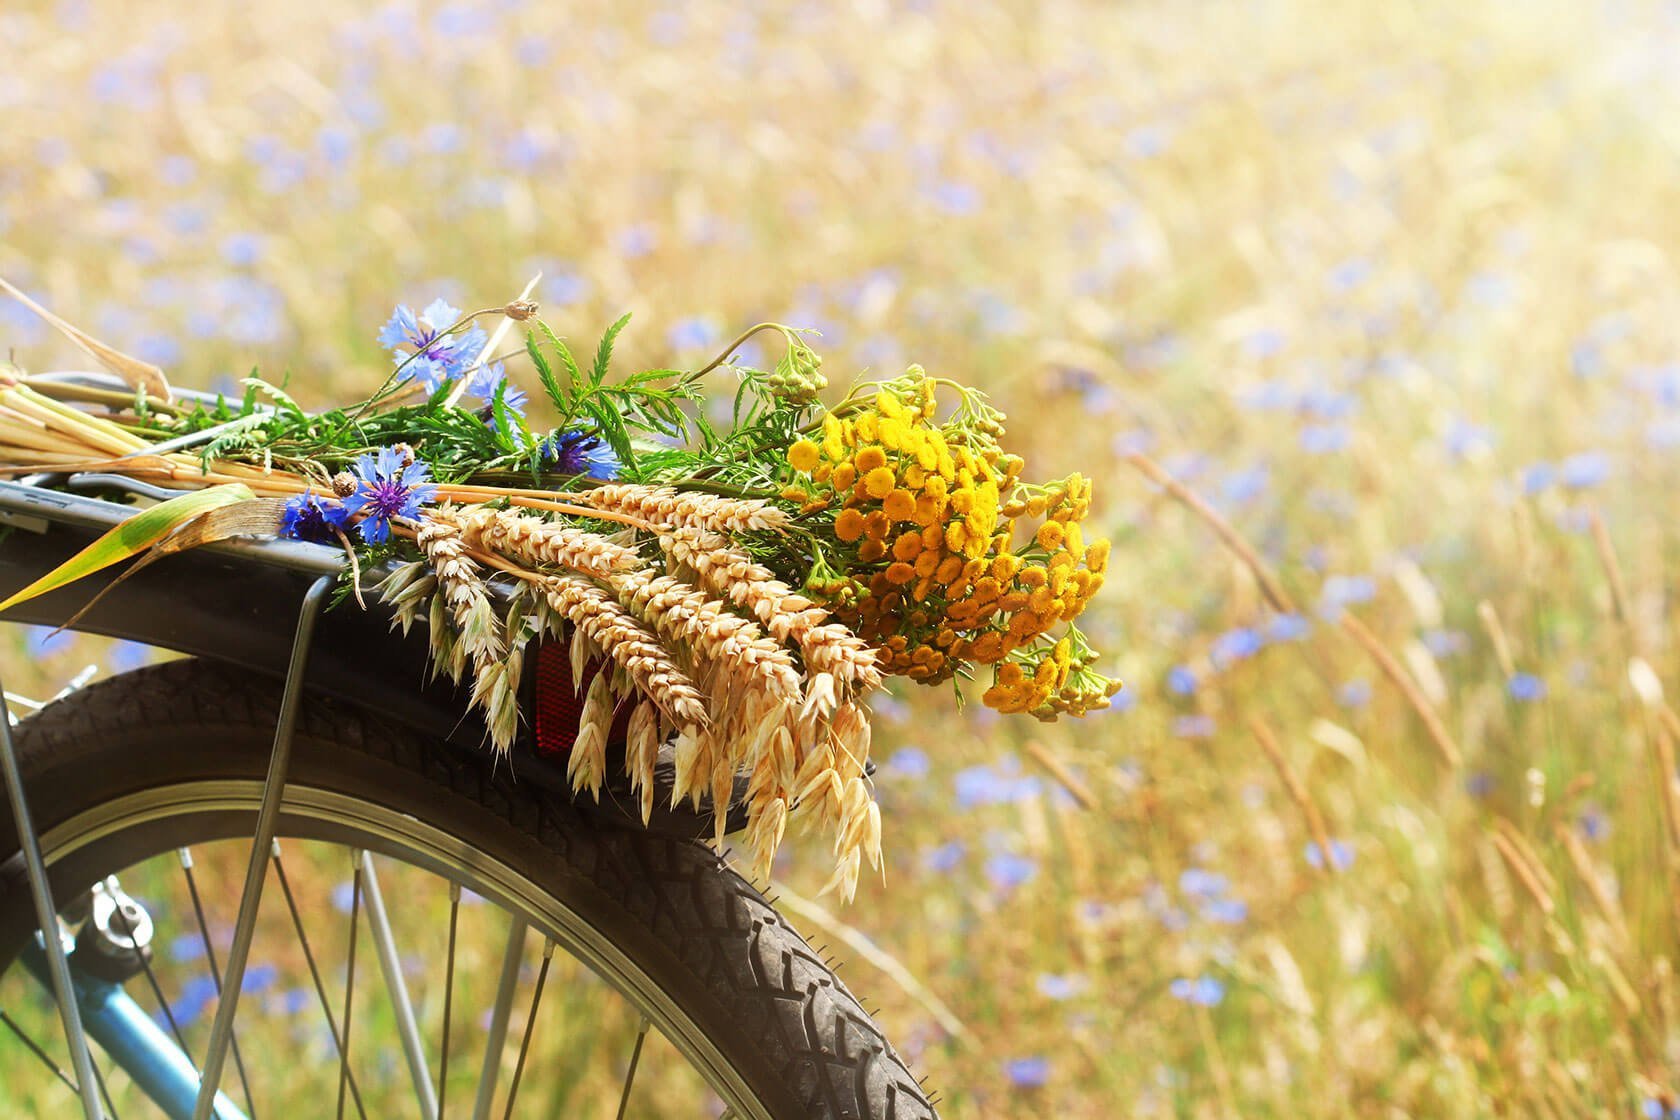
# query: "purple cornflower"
387,488
580,453
438,357
310,517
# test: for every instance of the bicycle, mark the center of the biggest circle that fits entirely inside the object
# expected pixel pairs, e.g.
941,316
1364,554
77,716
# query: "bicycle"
293,726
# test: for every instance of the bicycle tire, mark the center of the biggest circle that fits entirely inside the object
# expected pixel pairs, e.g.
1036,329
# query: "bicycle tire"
710,941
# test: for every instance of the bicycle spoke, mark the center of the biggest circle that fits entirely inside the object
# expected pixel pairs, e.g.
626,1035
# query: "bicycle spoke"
379,927
630,1074
349,988
530,1028
314,971
448,994
268,819
499,1017
127,930
99,1079
185,857
36,1049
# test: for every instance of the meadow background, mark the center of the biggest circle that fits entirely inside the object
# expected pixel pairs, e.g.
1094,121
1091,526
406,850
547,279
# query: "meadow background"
1392,288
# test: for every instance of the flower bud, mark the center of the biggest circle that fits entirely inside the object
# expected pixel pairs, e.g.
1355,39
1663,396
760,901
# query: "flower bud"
344,484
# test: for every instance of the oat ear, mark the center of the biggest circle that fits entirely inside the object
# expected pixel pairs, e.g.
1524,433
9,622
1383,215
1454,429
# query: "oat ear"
139,374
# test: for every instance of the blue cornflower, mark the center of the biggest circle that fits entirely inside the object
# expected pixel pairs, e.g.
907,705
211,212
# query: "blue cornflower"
1202,883
439,357
1059,987
1181,680
1525,687
909,762
386,488
310,517
1588,469
1205,991
484,384
1234,645
1007,870
1027,1073
1287,628
946,858
1341,855
580,453
1226,911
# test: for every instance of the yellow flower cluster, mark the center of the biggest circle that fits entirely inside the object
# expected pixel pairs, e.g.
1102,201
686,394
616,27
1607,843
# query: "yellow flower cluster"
930,576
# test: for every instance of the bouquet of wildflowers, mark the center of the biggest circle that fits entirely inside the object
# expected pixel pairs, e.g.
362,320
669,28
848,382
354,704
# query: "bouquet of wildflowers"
749,586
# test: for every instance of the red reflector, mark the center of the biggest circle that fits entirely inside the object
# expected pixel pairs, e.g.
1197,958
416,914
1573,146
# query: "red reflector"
557,708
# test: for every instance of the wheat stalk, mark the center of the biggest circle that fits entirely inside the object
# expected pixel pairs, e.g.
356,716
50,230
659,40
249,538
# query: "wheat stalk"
664,507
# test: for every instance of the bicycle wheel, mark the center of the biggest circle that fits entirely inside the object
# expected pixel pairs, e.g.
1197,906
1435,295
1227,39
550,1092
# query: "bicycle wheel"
144,765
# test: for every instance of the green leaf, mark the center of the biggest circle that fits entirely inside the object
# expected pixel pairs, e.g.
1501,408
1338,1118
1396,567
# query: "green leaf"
134,535
504,421
566,358
603,354
278,395
545,372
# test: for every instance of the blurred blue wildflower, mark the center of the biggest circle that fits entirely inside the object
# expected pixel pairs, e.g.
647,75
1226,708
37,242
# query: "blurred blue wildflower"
1027,1073
343,897
310,517
1349,274
1287,628
909,762
1007,870
1234,645
243,249
196,995
945,858
1200,883
1354,694
1525,687
1061,986
692,333
1341,855
1445,643
44,641
638,240
1181,680
124,656
1537,477
1593,823
387,487
1587,469
1203,991
1194,727
1479,784
1245,485
580,453
1465,439
1267,342
1225,911
1147,141
186,947
982,785
439,357
1323,439
954,197
1344,591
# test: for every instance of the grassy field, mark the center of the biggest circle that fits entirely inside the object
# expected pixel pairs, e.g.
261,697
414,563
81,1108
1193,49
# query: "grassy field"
1391,289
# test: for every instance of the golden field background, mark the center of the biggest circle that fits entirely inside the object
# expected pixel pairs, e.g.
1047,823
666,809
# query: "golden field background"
1391,287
